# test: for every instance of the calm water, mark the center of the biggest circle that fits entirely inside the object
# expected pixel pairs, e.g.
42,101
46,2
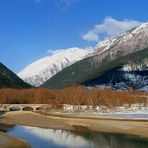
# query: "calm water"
49,138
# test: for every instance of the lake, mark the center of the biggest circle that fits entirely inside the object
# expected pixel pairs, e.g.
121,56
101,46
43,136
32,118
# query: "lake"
81,138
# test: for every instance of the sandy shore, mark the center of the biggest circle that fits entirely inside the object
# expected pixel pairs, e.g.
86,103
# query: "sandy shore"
7,141
132,127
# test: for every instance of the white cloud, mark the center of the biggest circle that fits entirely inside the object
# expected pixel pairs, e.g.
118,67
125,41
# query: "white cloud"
53,52
109,28
91,36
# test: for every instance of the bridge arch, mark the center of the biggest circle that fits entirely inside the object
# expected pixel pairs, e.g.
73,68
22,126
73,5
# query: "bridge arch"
28,108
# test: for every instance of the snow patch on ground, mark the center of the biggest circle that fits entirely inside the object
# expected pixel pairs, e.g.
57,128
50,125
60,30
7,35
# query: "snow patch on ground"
125,111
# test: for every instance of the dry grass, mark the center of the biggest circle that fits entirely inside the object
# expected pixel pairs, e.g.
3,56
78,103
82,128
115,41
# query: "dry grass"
75,95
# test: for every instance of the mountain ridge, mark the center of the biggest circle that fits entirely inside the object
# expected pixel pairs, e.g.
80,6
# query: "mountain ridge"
41,70
127,43
9,79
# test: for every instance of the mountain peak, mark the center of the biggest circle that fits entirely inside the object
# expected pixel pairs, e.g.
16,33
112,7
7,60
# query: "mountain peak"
140,31
41,70
106,64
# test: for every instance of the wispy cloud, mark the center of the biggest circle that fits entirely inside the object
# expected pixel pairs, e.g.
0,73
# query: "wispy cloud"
63,4
109,28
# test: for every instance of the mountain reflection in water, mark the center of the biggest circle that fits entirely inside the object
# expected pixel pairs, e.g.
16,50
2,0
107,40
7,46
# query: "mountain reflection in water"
46,138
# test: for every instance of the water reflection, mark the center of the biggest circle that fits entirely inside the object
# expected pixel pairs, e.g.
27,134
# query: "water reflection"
46,138
120,141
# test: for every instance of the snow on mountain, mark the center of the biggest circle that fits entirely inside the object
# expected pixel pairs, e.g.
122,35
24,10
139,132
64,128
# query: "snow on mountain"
136,66
129,40
121,45
40,71
119,62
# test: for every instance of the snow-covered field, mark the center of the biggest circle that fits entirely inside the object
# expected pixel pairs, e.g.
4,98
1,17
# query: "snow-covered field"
134,111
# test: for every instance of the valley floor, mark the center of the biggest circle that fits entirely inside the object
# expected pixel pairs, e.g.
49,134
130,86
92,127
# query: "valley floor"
99,123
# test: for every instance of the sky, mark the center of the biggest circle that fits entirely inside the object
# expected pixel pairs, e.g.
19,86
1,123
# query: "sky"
29,29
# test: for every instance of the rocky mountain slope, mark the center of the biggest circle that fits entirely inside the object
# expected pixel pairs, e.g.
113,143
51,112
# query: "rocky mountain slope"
118,62
127,71
40,71
9,80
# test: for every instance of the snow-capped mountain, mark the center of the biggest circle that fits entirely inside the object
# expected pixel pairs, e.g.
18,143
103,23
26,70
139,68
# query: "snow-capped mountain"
129,39
40,71
128,51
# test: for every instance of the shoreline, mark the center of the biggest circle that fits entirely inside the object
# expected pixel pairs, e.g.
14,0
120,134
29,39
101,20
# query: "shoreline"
7,141
67,122
100,116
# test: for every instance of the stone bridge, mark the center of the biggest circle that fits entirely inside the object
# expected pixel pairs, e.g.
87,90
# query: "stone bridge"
23,107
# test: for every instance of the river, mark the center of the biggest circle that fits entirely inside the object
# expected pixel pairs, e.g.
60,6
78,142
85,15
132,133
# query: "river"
81,138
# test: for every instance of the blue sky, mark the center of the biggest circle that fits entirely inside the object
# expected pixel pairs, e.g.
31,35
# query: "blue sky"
29,28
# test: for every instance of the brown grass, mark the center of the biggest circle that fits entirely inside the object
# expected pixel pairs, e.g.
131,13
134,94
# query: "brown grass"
75,95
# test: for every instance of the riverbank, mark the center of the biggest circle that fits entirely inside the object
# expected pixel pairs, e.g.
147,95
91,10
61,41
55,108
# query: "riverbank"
7,141
67,122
